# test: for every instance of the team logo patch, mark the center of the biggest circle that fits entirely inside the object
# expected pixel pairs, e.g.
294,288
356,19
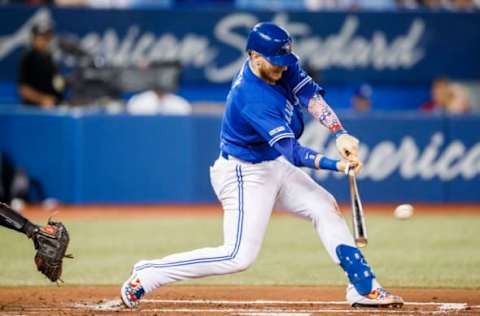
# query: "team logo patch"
49,230
286,48
276,130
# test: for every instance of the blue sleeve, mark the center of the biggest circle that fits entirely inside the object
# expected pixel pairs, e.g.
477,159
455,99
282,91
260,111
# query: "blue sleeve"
268,120
301,156
302,85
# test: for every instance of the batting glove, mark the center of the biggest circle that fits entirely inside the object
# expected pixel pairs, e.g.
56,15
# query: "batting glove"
347,146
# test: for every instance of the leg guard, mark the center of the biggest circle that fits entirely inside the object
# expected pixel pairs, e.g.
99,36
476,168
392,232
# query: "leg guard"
357,269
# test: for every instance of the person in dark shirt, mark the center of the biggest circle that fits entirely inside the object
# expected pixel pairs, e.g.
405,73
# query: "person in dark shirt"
39,82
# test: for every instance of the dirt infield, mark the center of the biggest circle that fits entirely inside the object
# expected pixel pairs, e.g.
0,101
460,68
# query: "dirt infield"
145,211
228,300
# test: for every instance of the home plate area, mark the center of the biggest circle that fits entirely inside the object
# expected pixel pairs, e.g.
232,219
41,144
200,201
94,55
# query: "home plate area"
277,307
227,300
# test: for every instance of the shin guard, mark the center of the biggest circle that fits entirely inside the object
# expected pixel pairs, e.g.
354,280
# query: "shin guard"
357,269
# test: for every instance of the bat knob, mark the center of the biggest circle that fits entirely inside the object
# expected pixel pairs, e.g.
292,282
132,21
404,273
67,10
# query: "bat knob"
351,172
361,242
348,167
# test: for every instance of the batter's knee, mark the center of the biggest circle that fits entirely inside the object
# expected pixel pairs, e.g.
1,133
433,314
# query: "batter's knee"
324,205
245,257
335,208
331,201
242,263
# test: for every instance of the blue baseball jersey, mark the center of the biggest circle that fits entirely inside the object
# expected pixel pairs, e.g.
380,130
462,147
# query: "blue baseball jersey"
258,114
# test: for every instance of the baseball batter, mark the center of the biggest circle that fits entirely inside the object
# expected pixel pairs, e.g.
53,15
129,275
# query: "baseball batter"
257,170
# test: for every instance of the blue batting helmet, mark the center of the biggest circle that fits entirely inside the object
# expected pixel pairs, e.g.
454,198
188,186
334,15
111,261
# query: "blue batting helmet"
272,42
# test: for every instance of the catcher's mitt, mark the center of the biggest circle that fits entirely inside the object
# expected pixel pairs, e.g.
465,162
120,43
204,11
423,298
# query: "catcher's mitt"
51,242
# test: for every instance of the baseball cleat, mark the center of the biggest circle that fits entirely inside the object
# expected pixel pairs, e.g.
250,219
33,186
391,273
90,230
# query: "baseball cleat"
132,292
377,298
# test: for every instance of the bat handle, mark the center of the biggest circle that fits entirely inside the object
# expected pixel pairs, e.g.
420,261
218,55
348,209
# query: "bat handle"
361,242
349,170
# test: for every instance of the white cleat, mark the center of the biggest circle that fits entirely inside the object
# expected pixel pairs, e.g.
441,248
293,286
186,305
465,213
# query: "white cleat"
379,298
132,292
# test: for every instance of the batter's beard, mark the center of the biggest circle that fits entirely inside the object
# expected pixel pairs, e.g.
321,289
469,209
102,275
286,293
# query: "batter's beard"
266,76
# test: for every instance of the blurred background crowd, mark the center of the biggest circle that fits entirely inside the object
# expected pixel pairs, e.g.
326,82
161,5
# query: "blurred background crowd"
43,80
454,5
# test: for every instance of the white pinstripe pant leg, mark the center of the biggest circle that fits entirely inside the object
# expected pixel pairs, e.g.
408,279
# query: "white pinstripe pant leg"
301,195
247,193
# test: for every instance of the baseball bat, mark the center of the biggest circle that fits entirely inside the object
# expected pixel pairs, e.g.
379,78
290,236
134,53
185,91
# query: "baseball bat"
359,227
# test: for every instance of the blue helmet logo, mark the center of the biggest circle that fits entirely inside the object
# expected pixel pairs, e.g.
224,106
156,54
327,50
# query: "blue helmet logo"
286,49
273,43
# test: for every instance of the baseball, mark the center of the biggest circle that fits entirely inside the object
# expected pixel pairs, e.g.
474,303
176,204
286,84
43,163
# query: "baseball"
403,211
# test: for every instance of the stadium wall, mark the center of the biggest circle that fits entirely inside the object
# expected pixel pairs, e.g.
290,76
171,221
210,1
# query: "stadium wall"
101,158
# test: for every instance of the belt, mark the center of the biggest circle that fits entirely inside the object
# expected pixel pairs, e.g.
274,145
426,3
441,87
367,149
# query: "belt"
230,157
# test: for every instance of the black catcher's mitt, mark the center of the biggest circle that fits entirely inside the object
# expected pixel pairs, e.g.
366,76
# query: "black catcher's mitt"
51,242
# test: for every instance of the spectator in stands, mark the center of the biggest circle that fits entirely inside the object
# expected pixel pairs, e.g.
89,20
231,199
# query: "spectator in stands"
459,101
39,81
376,5
433,4
362,98
27,2
440,95
158,101
463,5
447,97
115,4
94,3
407,4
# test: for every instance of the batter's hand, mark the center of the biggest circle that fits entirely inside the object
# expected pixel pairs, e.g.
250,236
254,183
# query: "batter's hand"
345,166
347,146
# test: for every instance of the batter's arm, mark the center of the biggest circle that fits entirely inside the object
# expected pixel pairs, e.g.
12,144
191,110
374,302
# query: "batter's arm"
310,95
301,156
322,112
347,145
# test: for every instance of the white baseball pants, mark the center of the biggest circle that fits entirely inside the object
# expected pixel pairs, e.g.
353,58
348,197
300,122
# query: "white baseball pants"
248,193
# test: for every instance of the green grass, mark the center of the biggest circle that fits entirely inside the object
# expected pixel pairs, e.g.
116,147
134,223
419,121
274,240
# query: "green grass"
426,251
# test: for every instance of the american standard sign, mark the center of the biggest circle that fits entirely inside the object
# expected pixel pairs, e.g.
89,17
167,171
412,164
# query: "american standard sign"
364,46
439,159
